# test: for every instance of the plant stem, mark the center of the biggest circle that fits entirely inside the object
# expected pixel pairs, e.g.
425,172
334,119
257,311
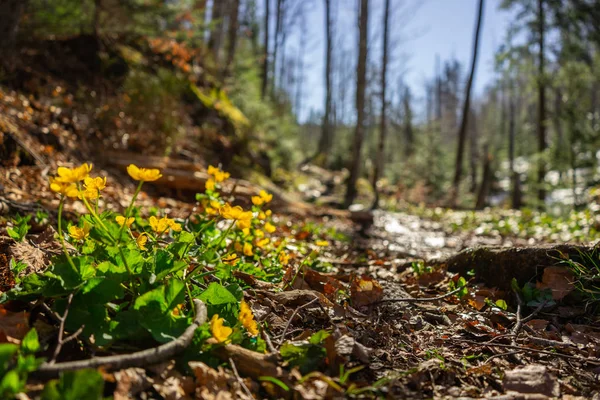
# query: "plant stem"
61,236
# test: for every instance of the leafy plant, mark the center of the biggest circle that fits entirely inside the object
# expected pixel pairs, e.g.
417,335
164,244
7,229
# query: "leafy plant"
16,362
20,227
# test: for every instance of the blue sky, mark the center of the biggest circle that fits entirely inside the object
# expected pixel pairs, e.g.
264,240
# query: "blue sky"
421,29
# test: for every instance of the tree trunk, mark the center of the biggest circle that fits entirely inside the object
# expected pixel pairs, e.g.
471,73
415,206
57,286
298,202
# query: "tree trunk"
408,128
514,177
265,65
326,139
472,129
232,35
541,123
361,81
462,133
379,160
216,33
486,180
277,40
10,16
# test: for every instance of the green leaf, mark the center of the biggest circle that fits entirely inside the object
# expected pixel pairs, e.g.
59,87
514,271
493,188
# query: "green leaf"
319,337
502,304
86,384
7,352
103,289
216,294
183,243
165,264
30,343
155,311
11,384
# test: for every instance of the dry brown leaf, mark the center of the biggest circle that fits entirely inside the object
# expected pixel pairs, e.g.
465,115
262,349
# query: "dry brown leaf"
559,280
364,291
13,325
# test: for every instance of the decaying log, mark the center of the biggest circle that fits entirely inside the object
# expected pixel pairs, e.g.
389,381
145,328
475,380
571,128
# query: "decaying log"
497,266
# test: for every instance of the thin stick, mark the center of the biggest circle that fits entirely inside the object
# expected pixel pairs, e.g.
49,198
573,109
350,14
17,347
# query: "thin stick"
420,299
282,337
61,330
269,343
510,346
239,379
143,357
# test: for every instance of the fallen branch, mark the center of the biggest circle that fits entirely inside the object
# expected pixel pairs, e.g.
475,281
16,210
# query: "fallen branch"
143,357
420,299
287,326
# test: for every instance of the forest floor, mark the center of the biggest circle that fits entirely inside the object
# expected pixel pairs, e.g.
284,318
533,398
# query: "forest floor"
390,305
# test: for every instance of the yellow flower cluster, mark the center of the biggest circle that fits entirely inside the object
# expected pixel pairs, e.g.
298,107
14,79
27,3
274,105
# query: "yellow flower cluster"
221,332
122,221
92,187
65,182
143,174
243,218
78,233
160,226
262,198
141,241
217,176
247,319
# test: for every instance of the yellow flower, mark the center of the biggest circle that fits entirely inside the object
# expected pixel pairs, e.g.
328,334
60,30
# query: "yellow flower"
230,259
322,243
210,184
78,233
248,249
213,208
283,258
158,225
257,200
266,197
262,215
72,175
268,213
141,241
218,330
96,184
143,174
263,242
247,319
174,225
121,220
66,189
90,194
238,247
243,223
237,213
246,231
258,233
270,227
218,174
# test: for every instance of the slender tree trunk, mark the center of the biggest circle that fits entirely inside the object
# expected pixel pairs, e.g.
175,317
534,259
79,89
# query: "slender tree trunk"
462,133
541,123
10,17
361,80
265,65
472,129
232,35
326,139
408,128
514,177
216,34
486,179
300,73
277,42
379,160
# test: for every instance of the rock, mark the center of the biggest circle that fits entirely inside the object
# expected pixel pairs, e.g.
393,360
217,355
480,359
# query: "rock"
531,379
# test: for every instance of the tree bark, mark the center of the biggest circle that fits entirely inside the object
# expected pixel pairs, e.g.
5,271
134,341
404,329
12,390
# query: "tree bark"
462,133
379,160
10,17
265,65
232,35
216,33
363,22
408,128
326,139
541,123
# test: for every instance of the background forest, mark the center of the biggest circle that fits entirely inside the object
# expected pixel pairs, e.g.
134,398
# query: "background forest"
227,78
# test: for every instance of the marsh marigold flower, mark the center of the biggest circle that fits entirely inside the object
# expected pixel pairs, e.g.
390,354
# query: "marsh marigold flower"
97,183
72,175
121,220
66,189
141,241
162,225
270,227
262,198
263,242
78,233
247,249
322,243
284,258
247,319
218,330
210,184
230,259
143,174
218,174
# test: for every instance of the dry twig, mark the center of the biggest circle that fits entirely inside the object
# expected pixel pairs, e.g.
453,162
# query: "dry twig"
143,357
